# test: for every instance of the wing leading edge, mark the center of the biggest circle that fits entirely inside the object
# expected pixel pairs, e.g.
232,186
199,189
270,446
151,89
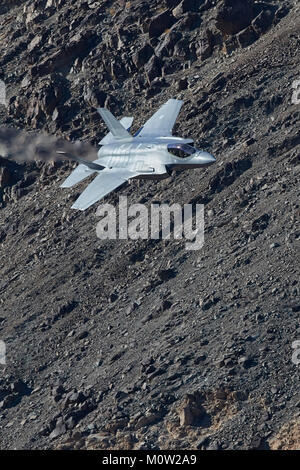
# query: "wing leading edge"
104,183
79,174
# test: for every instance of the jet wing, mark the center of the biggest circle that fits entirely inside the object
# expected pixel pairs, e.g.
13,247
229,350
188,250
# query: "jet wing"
77,175
162,122
103,184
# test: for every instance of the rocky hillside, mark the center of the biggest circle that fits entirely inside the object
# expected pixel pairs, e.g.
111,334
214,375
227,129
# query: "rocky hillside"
143,344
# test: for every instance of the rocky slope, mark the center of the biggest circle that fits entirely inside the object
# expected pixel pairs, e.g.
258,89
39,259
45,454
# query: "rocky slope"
143,344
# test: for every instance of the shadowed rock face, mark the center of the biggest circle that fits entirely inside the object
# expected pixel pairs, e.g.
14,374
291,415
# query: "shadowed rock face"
234,15
142,344
98,51
160,24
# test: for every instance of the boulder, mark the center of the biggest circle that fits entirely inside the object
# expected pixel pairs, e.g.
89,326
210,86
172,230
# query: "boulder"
59,430
234,16
161,23
182,84
182,49
171,65
142,56
35,43
204,45
93,96
189,21
166,47
263,21
153,68
191,410
5,177
186,6
247,37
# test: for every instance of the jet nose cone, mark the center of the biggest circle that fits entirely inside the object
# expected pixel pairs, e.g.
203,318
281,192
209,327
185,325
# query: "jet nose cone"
205,158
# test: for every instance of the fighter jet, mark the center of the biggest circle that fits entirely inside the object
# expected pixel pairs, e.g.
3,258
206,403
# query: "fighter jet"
153,152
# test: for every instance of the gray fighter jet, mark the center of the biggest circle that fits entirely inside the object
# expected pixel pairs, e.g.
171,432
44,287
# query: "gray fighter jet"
151,153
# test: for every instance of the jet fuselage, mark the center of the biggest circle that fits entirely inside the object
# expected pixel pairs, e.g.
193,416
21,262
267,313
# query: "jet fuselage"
153,158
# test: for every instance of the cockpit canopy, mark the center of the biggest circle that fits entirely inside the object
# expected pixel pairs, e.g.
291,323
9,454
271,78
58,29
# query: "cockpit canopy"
181,150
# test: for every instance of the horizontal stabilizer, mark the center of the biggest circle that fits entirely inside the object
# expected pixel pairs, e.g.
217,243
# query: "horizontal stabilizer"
115,127
109,138
77,175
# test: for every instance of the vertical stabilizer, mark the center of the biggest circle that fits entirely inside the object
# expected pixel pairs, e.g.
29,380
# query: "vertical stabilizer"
115,127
